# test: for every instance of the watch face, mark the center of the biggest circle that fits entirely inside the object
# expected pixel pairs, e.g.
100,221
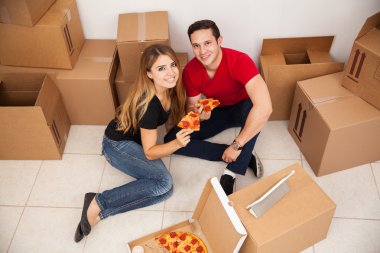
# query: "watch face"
235,146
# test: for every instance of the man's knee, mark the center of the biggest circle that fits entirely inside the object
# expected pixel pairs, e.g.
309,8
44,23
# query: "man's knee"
171,135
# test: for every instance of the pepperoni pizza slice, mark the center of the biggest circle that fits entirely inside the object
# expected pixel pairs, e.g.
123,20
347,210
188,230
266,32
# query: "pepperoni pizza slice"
181,242
190,121
209,104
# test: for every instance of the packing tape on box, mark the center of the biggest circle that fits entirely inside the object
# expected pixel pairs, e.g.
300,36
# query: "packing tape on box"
67,13
4,15
99,59
141,29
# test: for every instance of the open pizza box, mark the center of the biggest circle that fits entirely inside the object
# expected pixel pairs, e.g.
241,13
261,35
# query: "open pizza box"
214,221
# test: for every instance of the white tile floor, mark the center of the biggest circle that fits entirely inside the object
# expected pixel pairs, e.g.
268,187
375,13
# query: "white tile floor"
41,201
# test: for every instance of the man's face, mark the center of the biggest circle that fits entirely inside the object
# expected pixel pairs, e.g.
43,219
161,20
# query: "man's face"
206,48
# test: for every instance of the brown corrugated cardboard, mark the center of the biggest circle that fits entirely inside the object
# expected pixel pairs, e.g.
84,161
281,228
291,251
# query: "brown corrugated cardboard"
34,124
54,42
122,87
183,59
297,221
214,221
88,90
23,12
288,60
362,74
334,129
137,31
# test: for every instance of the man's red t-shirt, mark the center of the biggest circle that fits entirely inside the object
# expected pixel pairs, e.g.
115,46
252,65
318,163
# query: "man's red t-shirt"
228,83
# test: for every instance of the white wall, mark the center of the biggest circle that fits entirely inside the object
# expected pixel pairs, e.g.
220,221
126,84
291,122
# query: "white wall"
242,23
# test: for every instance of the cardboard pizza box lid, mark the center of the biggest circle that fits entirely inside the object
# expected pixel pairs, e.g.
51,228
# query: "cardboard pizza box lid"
214,221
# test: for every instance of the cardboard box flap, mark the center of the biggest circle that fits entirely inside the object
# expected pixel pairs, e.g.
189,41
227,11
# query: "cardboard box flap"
325,88
218,220
319,56
296,45
288,212
370,23
144,26
94,62
58,14
371,41
32,117
48,99
348,112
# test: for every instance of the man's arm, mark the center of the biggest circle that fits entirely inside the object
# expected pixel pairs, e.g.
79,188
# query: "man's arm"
257,117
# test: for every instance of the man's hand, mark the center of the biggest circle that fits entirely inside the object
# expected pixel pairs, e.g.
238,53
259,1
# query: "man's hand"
230,155
203,115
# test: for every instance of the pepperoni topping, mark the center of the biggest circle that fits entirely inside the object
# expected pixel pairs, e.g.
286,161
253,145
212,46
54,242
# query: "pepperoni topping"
182,237
196,122
175,244
187,247
207,108
194,241
193,114
173,234
199,249
185,123
162,240
204,102
167,247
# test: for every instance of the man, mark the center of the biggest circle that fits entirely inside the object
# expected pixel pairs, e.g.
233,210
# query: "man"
232,78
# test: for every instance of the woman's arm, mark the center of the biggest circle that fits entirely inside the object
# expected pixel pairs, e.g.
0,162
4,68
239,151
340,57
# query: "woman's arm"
154,151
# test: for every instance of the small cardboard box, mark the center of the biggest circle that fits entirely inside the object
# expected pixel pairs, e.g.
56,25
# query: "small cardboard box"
214,221
88,90
23,12
54,42
288,60
34,124
137,31
334,129
362,74
301,218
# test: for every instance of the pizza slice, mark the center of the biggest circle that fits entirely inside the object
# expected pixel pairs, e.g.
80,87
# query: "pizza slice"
209,104
190,121
179,242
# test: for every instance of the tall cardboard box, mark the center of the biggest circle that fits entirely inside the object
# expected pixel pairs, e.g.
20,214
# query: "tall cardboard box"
288,60
23,12
214,221
122,87
137,31
54,42
334,129
88,90
362,74
34,124
298,220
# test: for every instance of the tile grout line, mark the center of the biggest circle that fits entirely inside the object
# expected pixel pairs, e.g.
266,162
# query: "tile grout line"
25,205
353,218
374,178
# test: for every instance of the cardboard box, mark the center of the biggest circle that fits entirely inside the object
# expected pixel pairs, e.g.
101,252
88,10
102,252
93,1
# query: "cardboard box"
137,31
301,218
362,74
123,87
334,129
34,124
214,221
23,12
88,90
288,60
54,42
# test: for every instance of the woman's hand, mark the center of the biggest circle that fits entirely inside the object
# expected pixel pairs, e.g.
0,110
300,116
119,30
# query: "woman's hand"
183,137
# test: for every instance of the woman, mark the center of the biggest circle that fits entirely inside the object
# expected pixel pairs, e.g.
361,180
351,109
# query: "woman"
130,140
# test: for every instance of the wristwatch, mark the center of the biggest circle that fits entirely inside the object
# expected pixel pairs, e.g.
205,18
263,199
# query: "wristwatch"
236,145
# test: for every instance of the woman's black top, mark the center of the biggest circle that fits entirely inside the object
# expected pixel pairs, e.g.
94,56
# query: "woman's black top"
154,116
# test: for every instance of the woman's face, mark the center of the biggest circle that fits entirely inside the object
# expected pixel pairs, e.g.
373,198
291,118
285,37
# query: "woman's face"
164,73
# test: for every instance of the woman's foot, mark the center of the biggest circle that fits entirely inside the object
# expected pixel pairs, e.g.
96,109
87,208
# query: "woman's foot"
84,227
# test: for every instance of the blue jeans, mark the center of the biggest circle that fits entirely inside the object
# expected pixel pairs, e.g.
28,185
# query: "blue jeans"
221,119
153,182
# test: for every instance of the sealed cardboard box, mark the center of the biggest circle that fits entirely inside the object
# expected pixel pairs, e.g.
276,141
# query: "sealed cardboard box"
137,31
23,12
334,129
288,60
362,74
34,124
214,221
183,59
88,90
301,218
54,42
122,87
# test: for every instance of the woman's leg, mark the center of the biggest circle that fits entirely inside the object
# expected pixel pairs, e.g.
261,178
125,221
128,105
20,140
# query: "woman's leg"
153,182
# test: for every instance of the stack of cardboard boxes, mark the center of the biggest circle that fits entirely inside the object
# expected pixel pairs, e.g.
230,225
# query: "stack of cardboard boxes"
335,119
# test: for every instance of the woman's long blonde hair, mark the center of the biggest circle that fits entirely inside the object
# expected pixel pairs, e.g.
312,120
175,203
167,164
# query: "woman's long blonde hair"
131,112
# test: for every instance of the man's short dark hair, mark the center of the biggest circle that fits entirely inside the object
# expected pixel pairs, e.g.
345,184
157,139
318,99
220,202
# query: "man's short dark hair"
204,24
